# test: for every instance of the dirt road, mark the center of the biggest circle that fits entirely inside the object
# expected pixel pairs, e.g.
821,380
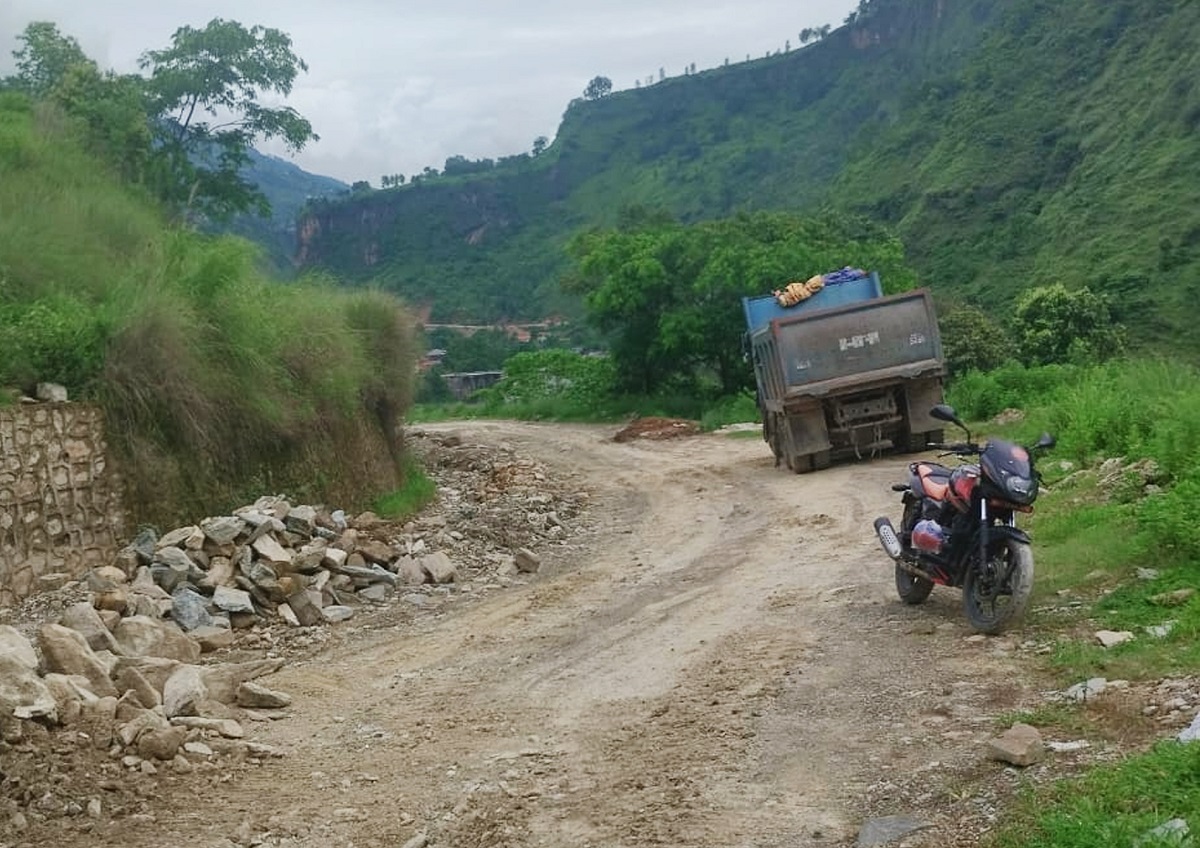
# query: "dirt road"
720,660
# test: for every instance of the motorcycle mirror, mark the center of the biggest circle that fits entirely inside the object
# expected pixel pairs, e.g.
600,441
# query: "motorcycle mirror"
945,412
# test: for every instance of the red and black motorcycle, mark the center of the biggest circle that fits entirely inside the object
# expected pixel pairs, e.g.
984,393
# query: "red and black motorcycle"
959,527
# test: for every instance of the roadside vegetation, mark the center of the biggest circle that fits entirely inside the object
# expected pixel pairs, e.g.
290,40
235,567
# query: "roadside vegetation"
218,383
1116,550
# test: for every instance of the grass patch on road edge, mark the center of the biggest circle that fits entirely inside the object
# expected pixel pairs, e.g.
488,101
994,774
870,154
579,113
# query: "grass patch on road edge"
1116,805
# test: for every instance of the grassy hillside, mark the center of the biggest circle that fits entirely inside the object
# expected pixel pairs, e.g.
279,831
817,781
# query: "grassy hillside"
1011,143
217,382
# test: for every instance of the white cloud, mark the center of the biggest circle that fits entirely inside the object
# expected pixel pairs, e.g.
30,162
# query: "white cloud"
393,89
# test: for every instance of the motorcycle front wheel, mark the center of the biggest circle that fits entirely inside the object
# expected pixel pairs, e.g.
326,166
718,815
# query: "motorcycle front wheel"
996,594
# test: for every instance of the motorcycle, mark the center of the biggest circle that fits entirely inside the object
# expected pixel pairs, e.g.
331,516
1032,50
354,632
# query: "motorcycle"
959,527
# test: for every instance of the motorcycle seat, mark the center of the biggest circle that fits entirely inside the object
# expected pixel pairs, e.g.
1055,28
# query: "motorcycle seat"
935,480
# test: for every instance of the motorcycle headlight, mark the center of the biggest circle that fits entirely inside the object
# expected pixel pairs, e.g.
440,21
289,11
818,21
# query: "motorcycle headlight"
1021,489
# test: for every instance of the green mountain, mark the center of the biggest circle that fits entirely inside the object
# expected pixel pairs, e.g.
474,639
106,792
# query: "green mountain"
1011,143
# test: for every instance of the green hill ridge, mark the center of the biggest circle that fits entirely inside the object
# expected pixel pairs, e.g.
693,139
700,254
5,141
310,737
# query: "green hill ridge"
1010,144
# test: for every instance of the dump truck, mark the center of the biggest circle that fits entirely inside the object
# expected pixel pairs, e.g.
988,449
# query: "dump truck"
847,371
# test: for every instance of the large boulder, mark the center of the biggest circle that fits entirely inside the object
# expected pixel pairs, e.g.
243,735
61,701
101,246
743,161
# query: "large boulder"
22,692
223,681
83,619
67,652
184,691
13,644
142,636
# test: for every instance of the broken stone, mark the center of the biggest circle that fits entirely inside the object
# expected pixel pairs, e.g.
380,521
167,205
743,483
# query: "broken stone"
376,592
22,693
333,557
439,567
255,696
1170,834
307,613
1112,638
13,644
527,561
1086,690
223,680
212,638
1192,732
271,551
142,636
51,392
130,679
301,519
162,743
309,558
1173,599
232,600
880,831
189,609
410,572
183,691
67,652
226,727
372,574
1020,745
336,613
198,748
129,732
156,670
377,552
175,538
223,530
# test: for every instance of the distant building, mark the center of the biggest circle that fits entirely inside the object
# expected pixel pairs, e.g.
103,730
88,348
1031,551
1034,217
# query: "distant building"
464,384
431,358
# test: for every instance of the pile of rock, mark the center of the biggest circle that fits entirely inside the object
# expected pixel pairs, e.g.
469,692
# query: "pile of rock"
125,664
134,691
304,565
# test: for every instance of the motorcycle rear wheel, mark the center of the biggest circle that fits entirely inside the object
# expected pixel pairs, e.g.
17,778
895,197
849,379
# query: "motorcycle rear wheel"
990,608
911,588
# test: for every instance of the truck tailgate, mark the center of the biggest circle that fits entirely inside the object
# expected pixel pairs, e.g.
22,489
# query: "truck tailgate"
889,336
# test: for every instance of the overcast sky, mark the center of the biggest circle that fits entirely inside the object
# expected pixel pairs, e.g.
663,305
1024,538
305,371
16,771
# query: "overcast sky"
394,87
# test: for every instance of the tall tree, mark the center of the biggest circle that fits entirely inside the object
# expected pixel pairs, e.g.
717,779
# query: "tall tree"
204,96
45,57
539,145
597,88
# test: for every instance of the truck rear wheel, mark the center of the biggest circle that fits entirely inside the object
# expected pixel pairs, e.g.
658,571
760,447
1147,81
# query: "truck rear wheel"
917,442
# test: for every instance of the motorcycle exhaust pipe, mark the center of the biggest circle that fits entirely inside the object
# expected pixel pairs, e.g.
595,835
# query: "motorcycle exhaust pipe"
888,538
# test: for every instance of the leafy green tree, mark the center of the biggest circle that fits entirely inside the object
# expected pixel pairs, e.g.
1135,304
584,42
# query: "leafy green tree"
111,109
971,341
539,145
670,295
220,71
45,57
597,88
1056,324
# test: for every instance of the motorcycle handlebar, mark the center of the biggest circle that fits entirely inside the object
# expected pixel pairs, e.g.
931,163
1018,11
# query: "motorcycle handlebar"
956,448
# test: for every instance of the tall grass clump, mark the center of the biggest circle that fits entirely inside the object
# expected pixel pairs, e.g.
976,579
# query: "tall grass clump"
218,383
